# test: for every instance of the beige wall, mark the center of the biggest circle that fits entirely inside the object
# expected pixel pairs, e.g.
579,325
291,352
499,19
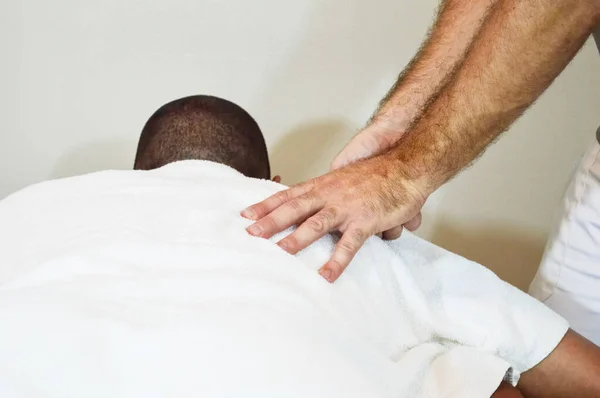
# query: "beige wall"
80,77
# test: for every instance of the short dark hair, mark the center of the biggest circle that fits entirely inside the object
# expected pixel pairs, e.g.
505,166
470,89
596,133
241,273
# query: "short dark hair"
204,128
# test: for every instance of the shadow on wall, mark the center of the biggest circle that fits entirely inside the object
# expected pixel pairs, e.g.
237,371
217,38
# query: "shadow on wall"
335,47
336,61
294,156
91,157
510,253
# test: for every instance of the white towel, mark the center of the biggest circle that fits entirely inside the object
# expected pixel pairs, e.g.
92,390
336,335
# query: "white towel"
145,284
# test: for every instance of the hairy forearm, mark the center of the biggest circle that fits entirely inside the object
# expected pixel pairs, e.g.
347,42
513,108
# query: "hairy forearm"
519,51
456,26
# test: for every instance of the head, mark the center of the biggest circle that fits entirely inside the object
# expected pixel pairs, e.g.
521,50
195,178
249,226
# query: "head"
203,128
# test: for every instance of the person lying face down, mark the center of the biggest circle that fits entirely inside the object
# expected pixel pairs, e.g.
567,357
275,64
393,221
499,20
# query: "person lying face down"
204,128
144,283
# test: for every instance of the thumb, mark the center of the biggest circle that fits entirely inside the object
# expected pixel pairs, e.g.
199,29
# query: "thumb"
362,146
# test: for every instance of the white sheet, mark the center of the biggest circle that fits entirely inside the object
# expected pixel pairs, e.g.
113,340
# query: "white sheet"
145,284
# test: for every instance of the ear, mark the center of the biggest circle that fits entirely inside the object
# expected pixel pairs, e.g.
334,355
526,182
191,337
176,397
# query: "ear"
277,179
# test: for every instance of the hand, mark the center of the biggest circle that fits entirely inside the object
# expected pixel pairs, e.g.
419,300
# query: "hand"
375,139
359,200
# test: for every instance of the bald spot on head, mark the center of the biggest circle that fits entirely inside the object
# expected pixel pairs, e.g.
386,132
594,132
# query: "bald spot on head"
203,128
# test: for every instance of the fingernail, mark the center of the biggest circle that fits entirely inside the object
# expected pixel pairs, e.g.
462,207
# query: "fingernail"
326,273
249,213
284,245
255,230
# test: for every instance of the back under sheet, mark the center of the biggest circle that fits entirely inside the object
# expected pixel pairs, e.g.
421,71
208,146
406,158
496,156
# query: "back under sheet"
145,284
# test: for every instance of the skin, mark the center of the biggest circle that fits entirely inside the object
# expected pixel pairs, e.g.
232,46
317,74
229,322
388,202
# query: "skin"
571,370
442,52
507,391
518,51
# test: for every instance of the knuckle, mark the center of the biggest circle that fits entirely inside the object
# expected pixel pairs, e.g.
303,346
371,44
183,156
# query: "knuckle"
348,246
323,221
330,214
294,205
357,236
281,197
309,185
316,223
260,209
268,224
301,203
302,189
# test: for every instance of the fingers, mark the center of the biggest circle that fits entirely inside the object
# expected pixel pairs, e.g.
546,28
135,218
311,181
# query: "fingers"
259,210
323,205
393,233
345,157
360,147
290,213
344,252
311,230
340,161
415,223
351,242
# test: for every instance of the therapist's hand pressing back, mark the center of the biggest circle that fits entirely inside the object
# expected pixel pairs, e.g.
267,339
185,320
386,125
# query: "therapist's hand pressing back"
455,111
366,197
379,136
359,200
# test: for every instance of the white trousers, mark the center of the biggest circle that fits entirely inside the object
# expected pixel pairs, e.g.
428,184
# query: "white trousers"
568,280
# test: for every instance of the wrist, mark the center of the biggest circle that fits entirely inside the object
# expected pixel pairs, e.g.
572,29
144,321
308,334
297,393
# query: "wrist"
411,175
